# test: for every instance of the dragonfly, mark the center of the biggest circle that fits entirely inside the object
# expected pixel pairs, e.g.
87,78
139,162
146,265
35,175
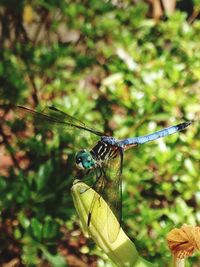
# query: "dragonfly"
105,158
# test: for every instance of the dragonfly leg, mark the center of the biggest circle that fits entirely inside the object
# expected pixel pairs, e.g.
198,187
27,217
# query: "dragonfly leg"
121,151
98,175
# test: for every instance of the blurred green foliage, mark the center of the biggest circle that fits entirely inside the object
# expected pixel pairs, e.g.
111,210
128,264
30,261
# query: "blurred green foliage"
108,65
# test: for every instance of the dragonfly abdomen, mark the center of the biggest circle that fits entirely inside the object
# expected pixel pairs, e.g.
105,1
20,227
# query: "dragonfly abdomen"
129,142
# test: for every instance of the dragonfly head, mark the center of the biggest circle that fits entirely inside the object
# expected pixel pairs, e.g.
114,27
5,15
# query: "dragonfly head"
84,160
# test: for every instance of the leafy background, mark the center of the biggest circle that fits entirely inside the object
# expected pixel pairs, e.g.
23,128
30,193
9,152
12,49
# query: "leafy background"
116,66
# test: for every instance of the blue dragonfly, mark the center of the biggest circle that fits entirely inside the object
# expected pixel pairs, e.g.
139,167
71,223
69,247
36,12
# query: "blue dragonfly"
104,160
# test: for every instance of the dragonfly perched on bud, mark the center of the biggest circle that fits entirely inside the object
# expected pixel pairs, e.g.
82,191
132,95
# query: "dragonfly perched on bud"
104,160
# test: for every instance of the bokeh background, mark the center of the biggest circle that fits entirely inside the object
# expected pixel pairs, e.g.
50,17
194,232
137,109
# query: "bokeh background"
127,67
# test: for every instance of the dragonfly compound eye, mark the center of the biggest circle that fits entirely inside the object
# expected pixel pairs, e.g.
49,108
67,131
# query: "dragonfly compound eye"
84,160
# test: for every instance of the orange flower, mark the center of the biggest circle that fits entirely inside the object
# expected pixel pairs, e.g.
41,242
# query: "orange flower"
184,241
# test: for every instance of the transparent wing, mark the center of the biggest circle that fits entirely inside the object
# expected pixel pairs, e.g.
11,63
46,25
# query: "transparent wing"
109,186
112,191
53,115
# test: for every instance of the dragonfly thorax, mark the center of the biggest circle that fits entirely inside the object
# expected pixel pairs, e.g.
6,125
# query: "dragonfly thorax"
84,160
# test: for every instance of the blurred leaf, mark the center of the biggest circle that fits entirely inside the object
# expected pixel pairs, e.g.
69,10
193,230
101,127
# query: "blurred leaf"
36,229
55,260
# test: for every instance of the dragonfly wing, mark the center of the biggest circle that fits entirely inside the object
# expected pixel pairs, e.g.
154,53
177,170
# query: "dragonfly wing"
113,196
112,191
98,186
109,186
62,116
54,116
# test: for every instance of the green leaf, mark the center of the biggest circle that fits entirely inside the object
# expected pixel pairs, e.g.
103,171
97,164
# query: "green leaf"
55,260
